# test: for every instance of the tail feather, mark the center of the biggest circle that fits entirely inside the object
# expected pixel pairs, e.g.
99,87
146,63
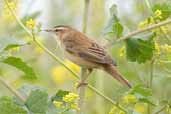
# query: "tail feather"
115,74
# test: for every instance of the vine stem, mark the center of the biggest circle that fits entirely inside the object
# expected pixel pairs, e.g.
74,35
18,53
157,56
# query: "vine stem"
38,43
2,81
84,75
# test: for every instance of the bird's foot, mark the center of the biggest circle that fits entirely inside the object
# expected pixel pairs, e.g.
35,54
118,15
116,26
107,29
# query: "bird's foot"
81,84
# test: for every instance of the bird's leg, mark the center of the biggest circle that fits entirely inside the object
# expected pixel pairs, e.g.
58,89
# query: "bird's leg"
90,70
82,82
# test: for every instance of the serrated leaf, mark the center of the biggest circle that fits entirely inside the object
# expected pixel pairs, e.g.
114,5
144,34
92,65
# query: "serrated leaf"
165,9
7,106
37,102
8,43
21,65
59,95
25,90
140,50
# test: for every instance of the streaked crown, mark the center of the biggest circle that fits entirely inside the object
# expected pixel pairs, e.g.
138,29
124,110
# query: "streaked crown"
61,28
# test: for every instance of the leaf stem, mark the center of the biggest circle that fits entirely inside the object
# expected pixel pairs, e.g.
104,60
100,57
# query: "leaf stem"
58,60
2,81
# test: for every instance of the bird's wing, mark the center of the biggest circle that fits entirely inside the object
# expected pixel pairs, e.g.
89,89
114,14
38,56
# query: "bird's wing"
96,53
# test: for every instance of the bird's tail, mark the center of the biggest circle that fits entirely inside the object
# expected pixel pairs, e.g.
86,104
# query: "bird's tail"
115,74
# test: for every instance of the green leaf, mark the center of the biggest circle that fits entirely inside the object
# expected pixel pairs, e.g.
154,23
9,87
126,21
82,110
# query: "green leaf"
37,102
117,29
21,65
143,94
25,90
59,95
165,9
114,27
139,89
7,106
139,50
147,100
8,43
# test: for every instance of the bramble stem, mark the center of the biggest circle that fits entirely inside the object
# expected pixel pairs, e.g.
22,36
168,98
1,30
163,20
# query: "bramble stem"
38,43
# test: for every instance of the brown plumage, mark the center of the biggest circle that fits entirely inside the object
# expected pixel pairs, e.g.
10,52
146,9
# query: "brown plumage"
86,52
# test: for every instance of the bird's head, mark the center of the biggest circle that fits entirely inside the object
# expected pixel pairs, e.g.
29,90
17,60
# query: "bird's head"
60,30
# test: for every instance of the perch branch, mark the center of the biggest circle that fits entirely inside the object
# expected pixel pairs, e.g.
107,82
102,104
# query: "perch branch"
84,75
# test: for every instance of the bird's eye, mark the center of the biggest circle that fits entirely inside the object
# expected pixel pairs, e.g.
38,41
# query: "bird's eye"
56,30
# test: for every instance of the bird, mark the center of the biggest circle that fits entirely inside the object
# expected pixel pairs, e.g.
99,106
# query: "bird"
86,52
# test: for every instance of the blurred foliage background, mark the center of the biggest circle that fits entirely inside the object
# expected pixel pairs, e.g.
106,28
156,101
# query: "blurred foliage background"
52,76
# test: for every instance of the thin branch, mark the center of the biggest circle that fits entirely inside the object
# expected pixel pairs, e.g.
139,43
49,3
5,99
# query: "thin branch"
151,27
161,29
160,110
58,60
145,29
2,81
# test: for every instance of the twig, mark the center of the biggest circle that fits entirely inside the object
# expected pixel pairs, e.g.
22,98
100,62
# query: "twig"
66,110
151,27
60,61
145,29
2,81
160,110
84,75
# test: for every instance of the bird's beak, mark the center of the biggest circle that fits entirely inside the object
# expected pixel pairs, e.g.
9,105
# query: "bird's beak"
48,30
